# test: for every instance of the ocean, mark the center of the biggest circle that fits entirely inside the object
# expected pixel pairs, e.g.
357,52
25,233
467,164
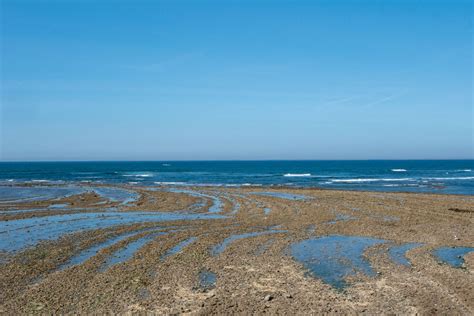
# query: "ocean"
435,176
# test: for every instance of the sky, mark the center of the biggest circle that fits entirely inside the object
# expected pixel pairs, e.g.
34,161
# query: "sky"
192,80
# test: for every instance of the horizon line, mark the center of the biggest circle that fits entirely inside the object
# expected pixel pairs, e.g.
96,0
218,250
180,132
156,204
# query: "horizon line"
234,160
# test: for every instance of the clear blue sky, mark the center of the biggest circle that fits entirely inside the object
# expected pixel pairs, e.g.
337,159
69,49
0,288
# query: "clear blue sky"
139,80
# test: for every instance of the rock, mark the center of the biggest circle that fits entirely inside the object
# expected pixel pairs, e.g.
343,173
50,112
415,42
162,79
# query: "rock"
268,298
288,295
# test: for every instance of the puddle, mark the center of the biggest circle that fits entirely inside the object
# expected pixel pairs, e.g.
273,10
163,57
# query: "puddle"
235,205
398,253
117,194
454,256
88,253
207,280
286,196
29,194
333,258
218,249
58,206
267,210
17,234
217,205
49,209
128,251
178,248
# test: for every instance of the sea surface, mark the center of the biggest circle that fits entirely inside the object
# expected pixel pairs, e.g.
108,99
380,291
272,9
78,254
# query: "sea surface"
436,176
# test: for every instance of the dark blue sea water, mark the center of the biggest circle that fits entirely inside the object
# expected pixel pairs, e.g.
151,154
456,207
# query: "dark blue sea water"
437,176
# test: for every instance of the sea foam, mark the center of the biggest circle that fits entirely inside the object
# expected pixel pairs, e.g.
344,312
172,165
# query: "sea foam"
141,175
451,178
171,183
297,175
370,180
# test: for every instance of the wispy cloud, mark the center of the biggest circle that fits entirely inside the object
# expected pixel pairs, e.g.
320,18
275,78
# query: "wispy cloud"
383,100
340,101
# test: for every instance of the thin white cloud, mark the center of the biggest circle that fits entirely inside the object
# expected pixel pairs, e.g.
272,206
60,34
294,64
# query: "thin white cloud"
383,100
340,101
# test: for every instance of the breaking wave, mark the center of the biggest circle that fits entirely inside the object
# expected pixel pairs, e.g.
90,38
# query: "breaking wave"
357,180
297,175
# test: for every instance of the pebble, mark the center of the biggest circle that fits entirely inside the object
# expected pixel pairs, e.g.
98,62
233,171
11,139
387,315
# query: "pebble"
268,298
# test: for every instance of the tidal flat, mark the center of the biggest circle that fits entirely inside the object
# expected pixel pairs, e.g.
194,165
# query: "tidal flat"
221,250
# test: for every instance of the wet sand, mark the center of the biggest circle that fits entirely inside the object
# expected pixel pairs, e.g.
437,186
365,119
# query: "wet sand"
234,251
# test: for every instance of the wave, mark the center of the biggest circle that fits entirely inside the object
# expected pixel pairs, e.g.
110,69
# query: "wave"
424,180
450,178
142,175
297,175
371,180
405,185
172,183
399,170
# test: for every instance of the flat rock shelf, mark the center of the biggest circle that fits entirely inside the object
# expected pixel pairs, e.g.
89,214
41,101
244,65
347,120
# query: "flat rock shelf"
73,248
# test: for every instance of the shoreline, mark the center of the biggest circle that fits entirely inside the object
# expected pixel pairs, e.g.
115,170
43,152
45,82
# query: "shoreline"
214,186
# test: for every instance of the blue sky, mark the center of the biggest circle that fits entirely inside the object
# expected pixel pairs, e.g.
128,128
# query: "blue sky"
161,80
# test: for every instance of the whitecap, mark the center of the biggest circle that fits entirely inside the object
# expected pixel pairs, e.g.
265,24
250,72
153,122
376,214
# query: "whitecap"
451,178
399,170
357,180
297,175
142,175
171,183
